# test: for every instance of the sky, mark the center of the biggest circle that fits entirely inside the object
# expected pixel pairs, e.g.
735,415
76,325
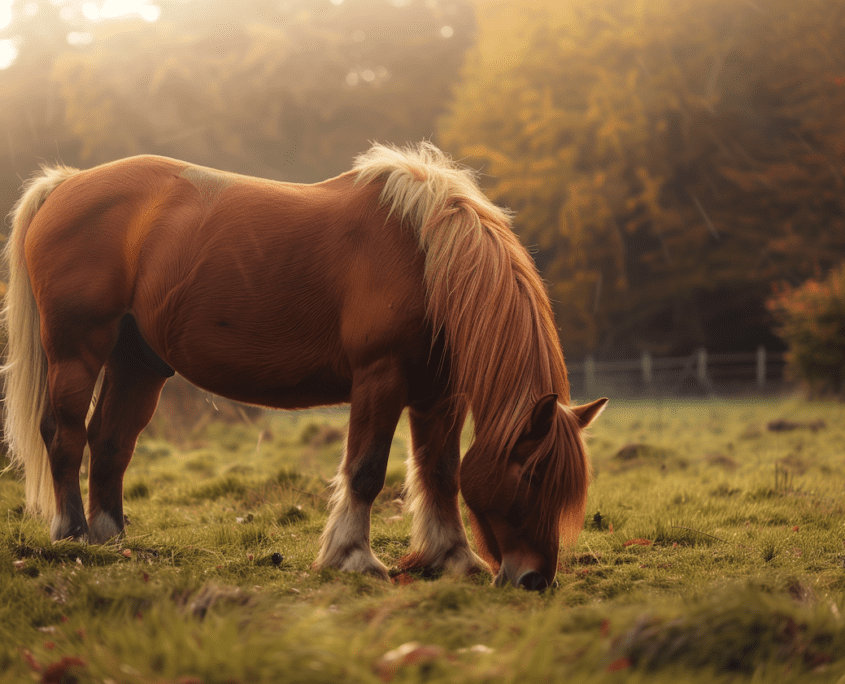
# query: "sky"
77,14
18,17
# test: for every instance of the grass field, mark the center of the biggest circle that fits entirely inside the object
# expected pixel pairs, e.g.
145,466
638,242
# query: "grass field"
713,550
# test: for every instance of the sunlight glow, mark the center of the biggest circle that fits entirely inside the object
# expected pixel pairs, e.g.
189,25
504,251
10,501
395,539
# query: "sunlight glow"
375,76
78,38
9,51
5,13
118,8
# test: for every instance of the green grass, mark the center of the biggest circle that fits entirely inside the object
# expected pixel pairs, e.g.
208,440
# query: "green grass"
713,551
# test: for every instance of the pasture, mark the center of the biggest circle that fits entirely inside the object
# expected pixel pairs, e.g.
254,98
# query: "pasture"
713,550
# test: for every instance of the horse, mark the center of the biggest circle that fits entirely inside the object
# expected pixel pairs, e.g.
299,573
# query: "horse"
397,284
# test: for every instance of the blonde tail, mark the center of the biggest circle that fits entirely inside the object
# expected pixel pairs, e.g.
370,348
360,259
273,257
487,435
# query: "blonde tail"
25,370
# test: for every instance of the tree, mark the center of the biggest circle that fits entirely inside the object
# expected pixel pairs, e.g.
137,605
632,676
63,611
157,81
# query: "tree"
668,160
289,90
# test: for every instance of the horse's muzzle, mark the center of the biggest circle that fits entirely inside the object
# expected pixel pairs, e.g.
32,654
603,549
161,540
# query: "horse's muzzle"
522,577
533,581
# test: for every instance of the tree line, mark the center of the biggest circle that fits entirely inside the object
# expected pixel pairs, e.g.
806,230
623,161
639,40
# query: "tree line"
668,161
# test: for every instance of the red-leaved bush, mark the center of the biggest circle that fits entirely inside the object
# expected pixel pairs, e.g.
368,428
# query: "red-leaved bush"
811,320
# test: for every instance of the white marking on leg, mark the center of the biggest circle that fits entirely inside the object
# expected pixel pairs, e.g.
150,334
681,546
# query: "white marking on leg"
58,529
62,527
345,542
438,538
102,527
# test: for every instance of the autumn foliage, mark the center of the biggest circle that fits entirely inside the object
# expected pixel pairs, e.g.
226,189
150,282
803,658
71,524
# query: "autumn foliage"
285,90
811,320
668,159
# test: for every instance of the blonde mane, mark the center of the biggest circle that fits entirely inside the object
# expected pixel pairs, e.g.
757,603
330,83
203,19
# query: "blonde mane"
484,294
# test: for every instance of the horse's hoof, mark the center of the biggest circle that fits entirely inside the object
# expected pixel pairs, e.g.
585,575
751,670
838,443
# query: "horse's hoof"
102,528
62,529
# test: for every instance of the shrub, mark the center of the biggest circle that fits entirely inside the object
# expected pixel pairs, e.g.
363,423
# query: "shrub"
811,320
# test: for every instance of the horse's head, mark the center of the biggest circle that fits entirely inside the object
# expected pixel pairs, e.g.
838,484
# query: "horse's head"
519,513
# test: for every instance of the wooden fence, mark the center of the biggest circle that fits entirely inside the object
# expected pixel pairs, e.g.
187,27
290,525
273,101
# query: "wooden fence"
699,374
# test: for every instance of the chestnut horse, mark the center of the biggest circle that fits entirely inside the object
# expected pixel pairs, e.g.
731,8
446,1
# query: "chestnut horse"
397,284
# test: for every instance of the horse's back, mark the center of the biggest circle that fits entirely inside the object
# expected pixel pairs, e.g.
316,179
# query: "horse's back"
309,281
232,278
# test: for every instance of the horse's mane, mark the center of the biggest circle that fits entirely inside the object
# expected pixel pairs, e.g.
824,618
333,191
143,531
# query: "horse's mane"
485,296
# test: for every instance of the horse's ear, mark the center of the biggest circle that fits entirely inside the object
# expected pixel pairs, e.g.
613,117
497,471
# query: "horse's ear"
542,416
587,413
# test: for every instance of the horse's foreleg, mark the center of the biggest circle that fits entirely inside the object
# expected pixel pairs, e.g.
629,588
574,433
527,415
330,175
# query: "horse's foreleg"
126,404
438,539
378,397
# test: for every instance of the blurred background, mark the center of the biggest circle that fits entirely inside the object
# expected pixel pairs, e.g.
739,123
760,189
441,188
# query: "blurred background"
676,165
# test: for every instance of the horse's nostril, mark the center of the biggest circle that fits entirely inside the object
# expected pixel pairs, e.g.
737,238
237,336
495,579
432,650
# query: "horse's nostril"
532,581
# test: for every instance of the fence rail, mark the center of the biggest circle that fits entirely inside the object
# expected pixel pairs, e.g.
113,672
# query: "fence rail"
700,373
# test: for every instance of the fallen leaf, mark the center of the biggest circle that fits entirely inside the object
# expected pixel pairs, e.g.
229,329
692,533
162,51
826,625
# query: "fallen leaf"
403,579
57,673
478,648
411,653
30,659
637,542
619,664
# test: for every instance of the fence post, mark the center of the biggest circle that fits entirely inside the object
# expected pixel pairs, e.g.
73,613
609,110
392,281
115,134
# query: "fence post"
701,366
648,376
701,371
590,376
761,366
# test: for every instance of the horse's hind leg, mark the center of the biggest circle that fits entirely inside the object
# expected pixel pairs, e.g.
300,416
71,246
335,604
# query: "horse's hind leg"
71,384
438,539
378,398
126,404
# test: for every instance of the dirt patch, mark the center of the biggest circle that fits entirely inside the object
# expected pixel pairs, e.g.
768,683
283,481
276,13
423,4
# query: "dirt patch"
632,455
719,460
782,425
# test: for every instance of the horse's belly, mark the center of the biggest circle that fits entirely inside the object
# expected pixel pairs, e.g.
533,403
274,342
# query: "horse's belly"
277,370
320,388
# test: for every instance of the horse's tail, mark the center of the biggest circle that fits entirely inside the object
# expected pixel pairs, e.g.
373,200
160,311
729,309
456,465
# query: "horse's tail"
26,364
